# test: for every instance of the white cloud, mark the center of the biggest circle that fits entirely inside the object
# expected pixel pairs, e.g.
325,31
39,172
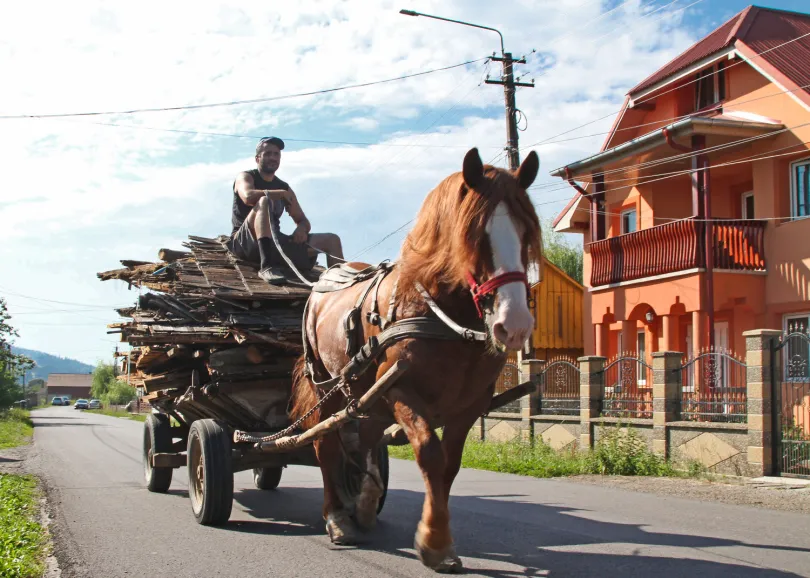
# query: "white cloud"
77,196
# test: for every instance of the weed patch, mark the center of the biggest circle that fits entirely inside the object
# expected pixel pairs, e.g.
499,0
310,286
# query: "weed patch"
16,428
119,413
22,539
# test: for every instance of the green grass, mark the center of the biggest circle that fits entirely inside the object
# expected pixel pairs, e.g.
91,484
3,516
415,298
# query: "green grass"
618,452
16,429
23,540
119,413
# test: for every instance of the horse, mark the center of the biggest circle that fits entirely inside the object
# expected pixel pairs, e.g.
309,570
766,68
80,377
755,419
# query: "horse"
468,252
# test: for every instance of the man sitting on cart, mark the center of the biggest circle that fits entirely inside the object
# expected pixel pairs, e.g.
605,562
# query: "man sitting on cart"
259,200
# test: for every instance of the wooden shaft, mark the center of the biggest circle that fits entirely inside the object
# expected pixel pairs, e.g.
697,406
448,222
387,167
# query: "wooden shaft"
335,421
395,436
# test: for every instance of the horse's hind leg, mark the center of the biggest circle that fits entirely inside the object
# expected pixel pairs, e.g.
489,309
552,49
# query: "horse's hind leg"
434,541
371,488
339,523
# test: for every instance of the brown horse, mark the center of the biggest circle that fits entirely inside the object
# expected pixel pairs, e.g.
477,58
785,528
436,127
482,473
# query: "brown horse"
474,227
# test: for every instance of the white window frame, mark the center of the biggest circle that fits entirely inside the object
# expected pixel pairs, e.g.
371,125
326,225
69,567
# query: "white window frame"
794,200
626,212
714,71
746,195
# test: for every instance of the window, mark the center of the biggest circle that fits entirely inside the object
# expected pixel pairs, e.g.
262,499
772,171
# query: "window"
710,86
800,189
748,205
628,221
641,353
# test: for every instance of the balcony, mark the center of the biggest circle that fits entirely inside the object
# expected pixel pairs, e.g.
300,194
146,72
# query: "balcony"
739,245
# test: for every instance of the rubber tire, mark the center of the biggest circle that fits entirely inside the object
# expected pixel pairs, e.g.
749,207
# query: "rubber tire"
267,478
157,437
382,464
210,439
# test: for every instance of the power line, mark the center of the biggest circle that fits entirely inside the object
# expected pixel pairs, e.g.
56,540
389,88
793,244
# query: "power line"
666,92
761,156
241,102
7,292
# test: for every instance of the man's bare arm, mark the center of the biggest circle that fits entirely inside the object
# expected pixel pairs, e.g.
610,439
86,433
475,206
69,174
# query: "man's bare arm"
297,214
245,188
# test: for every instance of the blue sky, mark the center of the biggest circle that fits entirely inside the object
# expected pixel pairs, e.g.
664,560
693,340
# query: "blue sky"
78,196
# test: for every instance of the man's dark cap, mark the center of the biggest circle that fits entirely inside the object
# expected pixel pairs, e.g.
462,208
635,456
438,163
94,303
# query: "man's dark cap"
271,139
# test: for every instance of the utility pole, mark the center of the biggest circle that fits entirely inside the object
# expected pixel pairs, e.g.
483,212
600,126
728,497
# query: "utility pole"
509,84
507,80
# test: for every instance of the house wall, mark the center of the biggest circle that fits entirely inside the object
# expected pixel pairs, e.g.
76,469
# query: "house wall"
745,301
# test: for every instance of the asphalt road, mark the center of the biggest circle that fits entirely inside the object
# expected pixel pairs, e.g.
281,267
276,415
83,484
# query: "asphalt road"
107,525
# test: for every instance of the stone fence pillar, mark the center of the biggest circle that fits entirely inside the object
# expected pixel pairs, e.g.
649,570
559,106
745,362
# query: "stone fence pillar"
591,390
666,396
530,370
760,407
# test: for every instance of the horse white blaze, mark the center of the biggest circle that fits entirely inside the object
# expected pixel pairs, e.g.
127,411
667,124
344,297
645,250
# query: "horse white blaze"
513,320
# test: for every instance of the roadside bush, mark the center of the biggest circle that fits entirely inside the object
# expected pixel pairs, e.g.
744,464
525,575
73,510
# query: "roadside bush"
118,393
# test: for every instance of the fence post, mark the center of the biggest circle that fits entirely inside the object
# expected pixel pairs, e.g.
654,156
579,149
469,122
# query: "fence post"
760,406
591,390
530,370
666,396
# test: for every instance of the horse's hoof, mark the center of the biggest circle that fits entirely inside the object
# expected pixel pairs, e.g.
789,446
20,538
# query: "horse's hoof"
341,529
443,561
366,517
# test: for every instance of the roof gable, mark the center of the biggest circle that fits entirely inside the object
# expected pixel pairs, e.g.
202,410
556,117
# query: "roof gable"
760,29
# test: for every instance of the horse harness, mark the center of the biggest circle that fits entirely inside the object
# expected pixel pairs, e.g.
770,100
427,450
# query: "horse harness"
439,326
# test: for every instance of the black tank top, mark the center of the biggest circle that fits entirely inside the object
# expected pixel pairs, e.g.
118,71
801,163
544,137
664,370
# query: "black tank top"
241,211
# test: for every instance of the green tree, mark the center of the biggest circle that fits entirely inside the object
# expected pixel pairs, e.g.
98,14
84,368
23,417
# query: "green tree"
12,365
119,393
562,253
103,378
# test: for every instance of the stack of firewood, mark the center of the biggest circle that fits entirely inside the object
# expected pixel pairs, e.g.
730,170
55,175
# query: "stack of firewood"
208,337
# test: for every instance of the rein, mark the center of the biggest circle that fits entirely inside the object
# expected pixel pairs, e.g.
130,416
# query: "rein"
481,294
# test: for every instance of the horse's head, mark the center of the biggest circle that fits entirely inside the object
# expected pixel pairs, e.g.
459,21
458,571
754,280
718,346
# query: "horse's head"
478,229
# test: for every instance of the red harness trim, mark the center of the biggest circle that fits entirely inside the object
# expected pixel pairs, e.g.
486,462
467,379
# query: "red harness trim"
479,292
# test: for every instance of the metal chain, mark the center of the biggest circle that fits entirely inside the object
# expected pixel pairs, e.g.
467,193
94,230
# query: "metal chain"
245,437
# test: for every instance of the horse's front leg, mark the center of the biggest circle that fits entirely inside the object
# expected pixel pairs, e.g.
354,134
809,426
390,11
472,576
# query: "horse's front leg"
434,541
339,523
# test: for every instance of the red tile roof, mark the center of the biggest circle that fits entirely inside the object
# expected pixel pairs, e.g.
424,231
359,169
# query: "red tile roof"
758,28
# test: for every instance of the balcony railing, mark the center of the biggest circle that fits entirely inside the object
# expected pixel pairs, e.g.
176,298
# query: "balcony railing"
678,246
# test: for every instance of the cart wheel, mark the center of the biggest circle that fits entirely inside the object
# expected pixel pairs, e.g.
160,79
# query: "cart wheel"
210,472
382,463
267,478
157,438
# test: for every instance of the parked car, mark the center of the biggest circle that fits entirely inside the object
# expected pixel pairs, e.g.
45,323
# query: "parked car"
81,404
94,404
57,401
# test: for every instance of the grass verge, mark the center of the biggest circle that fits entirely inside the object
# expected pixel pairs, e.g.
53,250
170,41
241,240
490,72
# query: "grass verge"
16,429
23,540
620,451
119,413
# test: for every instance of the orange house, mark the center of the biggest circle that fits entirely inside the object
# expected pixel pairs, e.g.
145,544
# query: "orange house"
694,211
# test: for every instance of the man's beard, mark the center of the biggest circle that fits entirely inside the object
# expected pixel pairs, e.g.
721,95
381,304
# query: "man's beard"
269,167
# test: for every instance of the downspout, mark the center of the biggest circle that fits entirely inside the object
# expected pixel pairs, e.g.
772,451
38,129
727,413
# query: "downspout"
585,194
701,167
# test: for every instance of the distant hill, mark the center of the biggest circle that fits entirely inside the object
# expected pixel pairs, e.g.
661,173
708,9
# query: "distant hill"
47,364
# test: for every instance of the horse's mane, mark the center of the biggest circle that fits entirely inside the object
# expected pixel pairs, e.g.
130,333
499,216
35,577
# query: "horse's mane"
450,232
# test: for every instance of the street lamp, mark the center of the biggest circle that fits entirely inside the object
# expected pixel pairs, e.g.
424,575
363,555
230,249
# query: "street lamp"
508,82
413,13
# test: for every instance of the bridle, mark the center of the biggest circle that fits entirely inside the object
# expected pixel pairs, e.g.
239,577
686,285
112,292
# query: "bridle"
484,294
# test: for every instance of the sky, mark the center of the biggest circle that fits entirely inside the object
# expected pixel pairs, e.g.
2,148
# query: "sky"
81,193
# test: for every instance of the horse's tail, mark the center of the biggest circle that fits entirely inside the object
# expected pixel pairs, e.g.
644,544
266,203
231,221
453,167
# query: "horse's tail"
303,396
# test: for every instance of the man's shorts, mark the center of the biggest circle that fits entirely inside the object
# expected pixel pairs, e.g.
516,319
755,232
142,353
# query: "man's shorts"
246,247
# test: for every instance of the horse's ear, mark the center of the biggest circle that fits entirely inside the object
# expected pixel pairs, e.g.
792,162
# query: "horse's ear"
528,170
473,170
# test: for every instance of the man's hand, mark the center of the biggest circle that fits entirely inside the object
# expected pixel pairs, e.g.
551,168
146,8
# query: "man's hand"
300,234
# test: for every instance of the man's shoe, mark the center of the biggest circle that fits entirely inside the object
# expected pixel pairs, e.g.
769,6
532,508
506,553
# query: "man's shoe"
272,275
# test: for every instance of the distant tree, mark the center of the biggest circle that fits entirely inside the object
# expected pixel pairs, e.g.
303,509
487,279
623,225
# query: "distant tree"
562,253
103,378
12,365
36,384
119,393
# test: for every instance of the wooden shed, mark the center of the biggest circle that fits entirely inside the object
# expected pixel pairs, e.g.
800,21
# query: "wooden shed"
557,309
